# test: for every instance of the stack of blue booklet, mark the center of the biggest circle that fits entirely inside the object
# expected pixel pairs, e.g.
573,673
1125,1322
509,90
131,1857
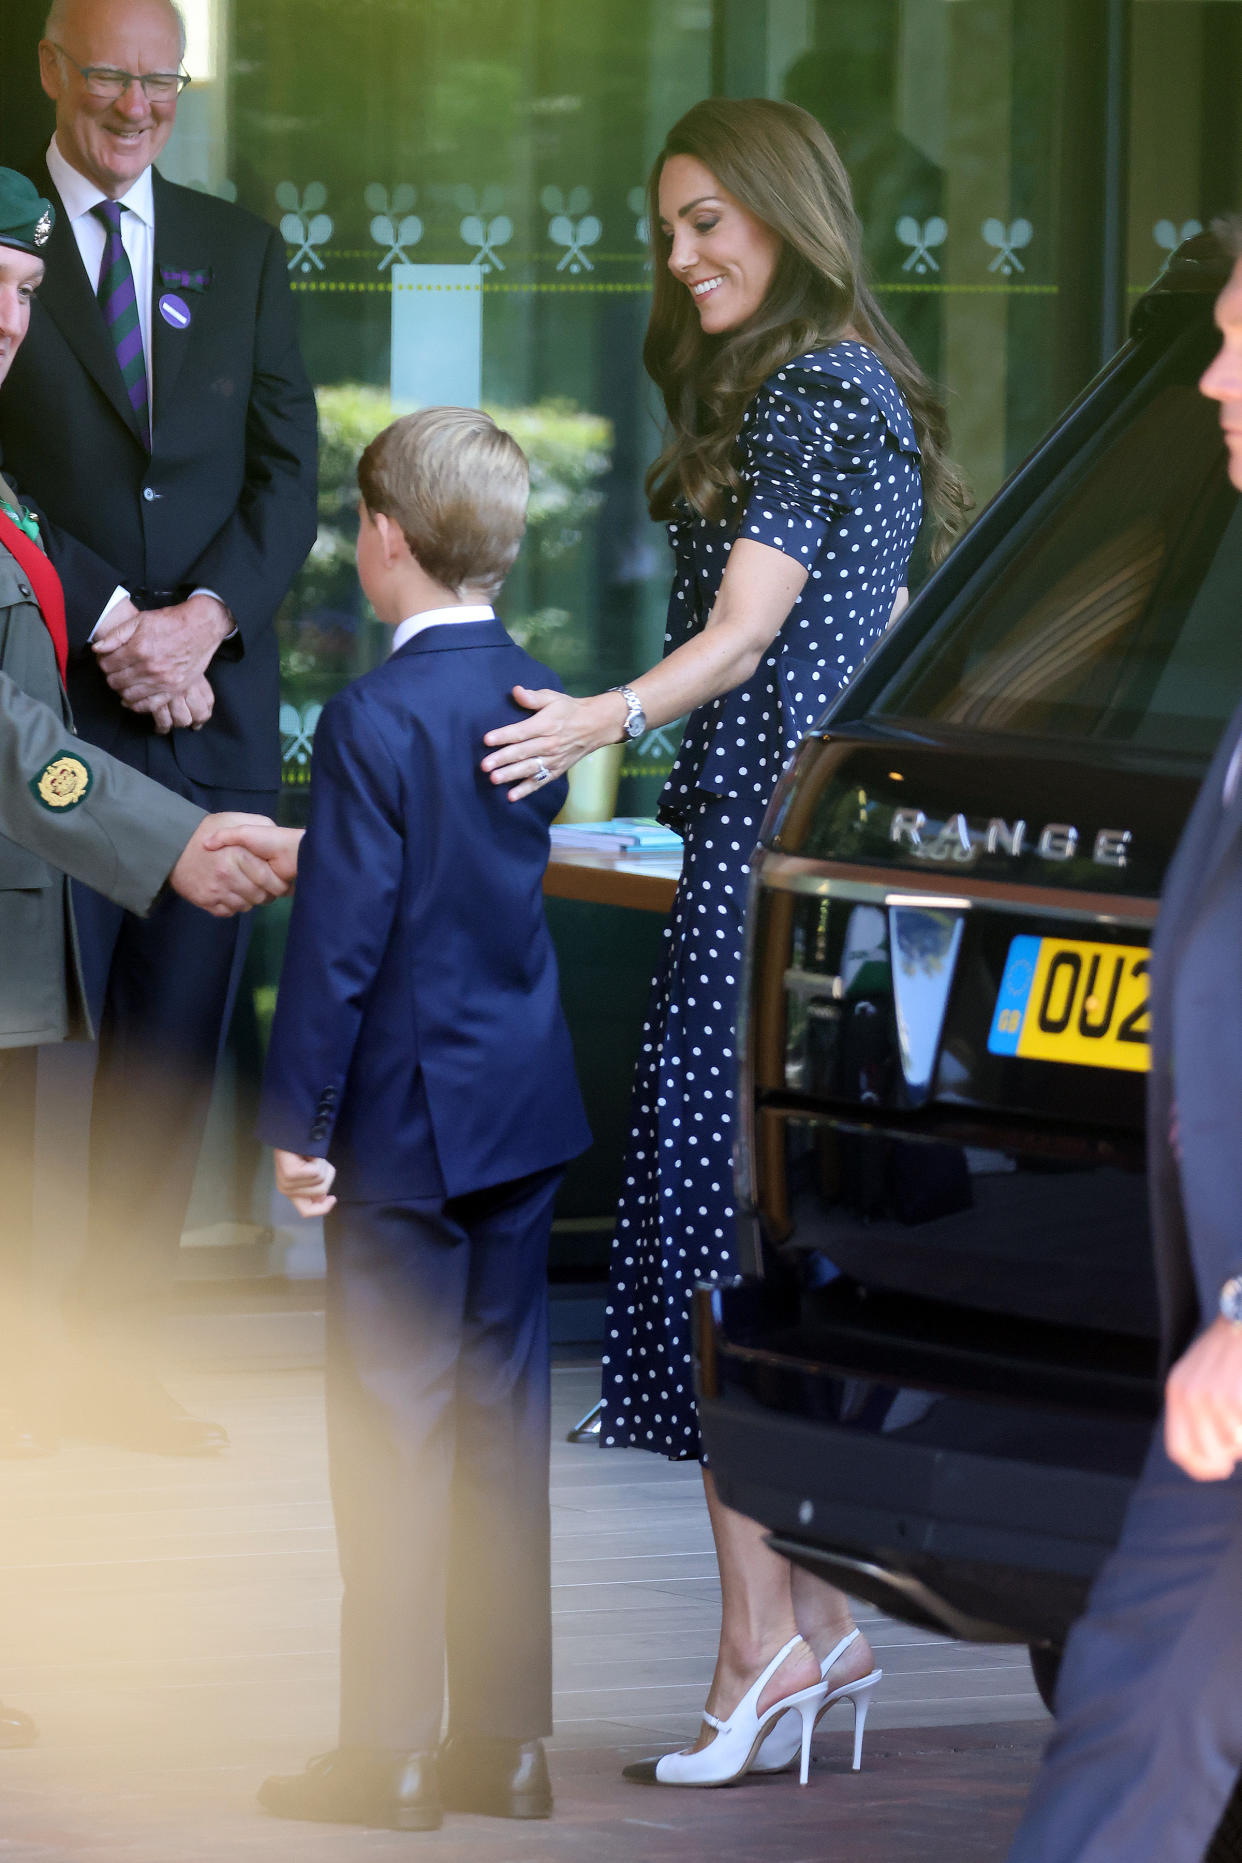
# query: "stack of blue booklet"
624,834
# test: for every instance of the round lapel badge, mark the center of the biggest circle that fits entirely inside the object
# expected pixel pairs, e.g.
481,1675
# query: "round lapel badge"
175,311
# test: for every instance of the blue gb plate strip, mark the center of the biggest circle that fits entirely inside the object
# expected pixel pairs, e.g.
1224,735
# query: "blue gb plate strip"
1015,991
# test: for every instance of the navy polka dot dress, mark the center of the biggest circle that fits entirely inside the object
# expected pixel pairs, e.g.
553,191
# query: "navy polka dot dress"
829,461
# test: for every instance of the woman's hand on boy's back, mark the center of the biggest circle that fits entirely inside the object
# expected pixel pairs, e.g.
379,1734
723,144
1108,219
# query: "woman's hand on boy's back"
560,731
306,1182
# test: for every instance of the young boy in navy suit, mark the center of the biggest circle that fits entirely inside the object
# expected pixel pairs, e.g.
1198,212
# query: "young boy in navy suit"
420,1092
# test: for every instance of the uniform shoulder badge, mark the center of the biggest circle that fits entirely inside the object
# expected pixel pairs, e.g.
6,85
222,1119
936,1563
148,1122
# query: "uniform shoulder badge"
63,783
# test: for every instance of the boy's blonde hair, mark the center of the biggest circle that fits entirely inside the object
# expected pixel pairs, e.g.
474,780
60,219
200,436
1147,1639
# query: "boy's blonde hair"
457,484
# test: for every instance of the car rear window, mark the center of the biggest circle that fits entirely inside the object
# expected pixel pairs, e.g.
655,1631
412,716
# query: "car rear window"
1119,616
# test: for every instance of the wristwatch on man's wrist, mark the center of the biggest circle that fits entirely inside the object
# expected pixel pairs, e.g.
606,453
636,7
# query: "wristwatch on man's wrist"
635,717
1231,1300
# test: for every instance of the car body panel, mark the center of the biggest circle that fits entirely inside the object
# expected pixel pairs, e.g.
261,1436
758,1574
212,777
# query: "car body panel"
938,1376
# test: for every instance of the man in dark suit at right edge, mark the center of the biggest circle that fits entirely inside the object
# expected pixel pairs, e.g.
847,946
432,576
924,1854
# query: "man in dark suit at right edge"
159,412
1148,1744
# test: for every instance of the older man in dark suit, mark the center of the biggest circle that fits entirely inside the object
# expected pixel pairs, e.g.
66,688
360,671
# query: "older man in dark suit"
159,412
1149,1707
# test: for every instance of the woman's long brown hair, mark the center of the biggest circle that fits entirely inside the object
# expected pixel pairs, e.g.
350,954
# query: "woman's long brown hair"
777,160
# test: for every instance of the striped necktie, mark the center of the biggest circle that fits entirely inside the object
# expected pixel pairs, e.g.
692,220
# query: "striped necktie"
119,302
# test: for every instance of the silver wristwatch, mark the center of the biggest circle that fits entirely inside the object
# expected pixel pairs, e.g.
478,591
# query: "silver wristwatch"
635,717
1231,1300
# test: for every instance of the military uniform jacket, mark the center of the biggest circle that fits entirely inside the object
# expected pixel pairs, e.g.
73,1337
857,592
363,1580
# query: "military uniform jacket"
65,808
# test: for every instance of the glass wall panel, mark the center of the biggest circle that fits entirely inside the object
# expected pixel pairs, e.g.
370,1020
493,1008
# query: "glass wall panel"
959,123
459,186
1185,125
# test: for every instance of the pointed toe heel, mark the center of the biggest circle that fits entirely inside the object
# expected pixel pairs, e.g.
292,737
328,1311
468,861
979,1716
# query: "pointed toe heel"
738,1740
642,1772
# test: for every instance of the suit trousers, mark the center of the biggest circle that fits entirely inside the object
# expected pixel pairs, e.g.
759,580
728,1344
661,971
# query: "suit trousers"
1148,1741
438,1437
161,992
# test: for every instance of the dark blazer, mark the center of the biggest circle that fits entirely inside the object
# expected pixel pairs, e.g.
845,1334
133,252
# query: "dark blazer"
418,1039
226,498
1196,1054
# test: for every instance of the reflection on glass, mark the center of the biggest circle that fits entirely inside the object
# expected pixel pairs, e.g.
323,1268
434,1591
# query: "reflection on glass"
1114,619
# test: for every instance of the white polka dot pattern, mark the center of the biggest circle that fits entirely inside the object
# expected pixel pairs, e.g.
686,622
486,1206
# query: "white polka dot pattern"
830,461
829,457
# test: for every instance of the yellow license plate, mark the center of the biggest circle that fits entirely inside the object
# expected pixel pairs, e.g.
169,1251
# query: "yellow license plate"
1062,999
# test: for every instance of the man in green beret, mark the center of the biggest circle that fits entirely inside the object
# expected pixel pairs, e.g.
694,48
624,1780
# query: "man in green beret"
164,350
67,808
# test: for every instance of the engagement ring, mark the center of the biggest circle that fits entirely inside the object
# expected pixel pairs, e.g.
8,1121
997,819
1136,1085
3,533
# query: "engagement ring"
542,772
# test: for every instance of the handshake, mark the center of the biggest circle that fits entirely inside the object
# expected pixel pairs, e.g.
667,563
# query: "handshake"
234,861
156,662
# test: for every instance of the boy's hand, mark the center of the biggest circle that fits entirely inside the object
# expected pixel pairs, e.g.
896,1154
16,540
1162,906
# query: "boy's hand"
277,846
228,879
306,1182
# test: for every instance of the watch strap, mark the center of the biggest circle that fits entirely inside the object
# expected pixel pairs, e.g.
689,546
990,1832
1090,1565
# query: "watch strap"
634,712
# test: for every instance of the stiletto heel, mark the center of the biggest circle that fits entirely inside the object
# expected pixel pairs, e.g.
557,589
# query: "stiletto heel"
808,1729
861,1703
782,1744
738,1739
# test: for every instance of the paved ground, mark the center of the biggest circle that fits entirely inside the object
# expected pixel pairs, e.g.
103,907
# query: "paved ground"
172,1624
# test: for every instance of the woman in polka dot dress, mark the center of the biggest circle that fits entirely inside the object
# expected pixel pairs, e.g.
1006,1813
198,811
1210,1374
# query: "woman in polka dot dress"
803,447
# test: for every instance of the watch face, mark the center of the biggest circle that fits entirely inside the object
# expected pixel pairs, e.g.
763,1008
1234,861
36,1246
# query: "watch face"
636,724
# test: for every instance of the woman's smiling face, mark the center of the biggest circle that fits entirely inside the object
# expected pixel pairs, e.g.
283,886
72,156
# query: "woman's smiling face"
724,255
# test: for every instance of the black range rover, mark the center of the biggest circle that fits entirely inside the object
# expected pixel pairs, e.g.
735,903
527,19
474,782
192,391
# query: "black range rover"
937,1379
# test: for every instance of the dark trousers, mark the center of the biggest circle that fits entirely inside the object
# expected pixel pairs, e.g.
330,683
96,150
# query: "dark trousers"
161,991
438,1436
1148,1740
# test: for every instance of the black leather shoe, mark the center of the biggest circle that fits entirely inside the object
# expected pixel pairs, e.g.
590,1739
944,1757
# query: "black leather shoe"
500,1778
138,1413
16,1729
354,1785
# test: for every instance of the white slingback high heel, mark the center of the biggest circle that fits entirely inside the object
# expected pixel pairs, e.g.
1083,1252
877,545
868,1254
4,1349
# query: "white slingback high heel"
781,1746
738,1739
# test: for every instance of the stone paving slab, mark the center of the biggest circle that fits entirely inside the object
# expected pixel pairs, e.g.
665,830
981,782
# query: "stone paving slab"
172,1626
941,1795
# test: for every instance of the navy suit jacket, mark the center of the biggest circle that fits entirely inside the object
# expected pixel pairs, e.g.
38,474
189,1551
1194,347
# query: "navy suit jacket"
226,498
418,1039
1196,1053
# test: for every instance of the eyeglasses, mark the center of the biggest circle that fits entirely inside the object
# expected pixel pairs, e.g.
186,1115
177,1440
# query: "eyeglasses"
104,82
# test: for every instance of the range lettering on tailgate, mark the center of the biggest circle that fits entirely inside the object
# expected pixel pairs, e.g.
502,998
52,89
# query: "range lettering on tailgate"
961,842
1064,999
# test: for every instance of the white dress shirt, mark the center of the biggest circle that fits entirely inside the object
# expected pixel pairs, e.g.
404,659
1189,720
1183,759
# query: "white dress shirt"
137,235
437,617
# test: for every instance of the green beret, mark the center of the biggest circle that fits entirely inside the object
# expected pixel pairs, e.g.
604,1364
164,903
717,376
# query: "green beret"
25,217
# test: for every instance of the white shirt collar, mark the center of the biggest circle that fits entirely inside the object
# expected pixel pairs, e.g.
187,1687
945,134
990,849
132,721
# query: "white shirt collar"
438,617
79,195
